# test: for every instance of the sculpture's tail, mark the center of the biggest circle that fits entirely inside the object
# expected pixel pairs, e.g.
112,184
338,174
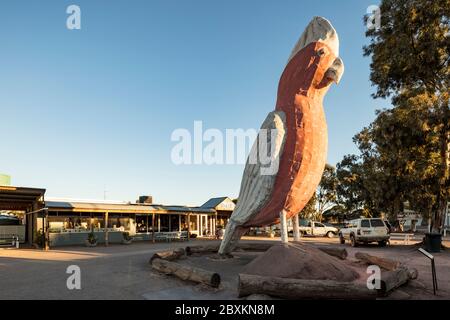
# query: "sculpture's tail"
232,235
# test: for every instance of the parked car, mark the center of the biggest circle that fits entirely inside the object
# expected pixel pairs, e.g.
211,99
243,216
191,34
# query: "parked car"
315,228
6,220
365,231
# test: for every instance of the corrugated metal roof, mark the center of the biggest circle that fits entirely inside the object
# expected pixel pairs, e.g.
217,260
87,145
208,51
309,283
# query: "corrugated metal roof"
19,198
123,208
184,209
213,202
85,206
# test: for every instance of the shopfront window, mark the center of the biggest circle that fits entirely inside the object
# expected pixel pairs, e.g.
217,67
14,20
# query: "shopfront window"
193,223
69,222
184,226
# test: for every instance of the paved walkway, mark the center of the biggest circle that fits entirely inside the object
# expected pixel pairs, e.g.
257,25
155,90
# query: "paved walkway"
123,272
114,272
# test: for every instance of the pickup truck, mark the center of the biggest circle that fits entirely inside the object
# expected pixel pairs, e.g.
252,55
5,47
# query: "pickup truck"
315,228
365,231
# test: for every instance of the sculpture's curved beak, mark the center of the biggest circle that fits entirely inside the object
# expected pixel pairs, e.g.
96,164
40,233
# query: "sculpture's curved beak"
336,71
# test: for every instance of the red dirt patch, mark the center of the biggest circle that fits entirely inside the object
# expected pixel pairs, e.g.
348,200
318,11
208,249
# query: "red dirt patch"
300,261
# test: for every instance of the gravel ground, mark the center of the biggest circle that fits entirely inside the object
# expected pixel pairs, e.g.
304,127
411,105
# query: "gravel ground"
123,272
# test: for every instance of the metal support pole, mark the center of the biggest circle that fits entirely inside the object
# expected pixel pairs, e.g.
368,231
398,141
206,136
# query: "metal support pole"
44,234
433,271
284,232
153,227
106,229
47,234
189,226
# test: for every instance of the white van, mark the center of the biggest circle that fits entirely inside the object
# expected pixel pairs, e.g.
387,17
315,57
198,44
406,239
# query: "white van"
365,230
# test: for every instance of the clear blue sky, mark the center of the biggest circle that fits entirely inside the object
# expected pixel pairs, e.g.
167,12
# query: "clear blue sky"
86,110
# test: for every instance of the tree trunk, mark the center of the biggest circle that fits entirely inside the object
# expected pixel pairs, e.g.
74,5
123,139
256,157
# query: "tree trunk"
168,255
396,211
384,263
214,248
295,289
255,246
187,273
439,215
339,253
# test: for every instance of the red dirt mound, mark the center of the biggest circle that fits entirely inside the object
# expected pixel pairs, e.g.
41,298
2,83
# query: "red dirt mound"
300,261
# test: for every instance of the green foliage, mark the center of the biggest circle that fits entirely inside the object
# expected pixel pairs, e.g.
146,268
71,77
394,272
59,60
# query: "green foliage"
324,198
39,238
411,48
309,211
404,151
326,192
92,239
126,236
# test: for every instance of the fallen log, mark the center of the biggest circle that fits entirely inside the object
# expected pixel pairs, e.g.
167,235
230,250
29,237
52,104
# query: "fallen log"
240,247
384,263
294,289
187,273
168,255
255,246
202,249
339,253
391,280
413,273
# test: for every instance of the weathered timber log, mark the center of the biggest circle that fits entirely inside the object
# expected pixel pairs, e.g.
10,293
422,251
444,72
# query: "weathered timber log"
215,248
255,246
168,255
384,263
413,273
187,273
391,280
294,289
340,253
202,249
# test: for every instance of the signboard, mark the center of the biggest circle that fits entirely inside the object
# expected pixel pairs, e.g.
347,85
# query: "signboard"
226,205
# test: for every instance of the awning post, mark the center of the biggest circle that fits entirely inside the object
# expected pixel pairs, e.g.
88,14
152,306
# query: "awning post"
153,227
189,226
106,229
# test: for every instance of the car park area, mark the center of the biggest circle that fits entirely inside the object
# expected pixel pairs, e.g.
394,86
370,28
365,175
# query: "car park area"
123,272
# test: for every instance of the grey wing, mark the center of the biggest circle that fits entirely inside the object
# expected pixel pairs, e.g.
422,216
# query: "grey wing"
261,168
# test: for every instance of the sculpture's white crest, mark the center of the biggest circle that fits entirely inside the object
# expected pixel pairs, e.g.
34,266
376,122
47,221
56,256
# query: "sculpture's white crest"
318,30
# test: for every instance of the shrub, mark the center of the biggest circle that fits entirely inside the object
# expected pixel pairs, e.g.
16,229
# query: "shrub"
92,239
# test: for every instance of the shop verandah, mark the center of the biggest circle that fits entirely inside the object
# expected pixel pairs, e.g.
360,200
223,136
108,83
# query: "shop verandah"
199,222
70,222
27,206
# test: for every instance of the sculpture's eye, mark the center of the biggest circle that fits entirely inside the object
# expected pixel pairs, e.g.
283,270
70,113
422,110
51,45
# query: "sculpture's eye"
321,52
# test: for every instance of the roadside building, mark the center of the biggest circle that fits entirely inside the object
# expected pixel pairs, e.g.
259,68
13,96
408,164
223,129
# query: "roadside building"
27,204
223,206
71,220
26,213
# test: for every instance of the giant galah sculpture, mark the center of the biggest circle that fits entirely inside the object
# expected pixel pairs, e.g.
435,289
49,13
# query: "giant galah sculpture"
295,137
